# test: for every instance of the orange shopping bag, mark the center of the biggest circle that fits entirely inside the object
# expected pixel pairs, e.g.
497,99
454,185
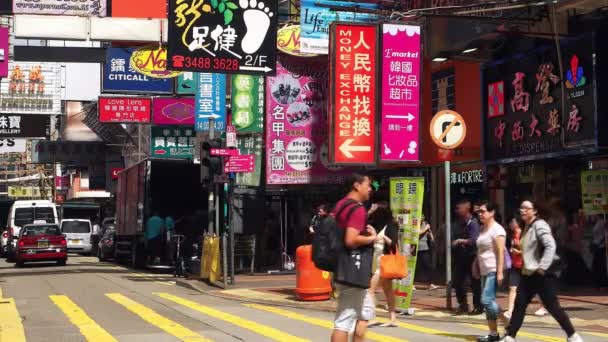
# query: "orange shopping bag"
393,266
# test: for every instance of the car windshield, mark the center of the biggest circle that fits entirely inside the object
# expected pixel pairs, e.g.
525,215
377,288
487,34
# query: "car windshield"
75,227
41,230
28,215
109,234
109,222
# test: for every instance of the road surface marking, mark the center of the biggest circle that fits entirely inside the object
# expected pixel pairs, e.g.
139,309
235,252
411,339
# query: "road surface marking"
11,327
157,320
88,328
320,322
264,330
151,277
536,337
431,331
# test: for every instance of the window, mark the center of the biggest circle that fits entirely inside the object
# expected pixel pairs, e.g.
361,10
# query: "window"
45,213
27,215
42,230
76,227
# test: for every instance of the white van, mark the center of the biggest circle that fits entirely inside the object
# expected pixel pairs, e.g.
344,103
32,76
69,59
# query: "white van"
26,212
78,233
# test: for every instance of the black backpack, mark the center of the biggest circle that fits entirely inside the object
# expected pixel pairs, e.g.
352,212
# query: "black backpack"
327,241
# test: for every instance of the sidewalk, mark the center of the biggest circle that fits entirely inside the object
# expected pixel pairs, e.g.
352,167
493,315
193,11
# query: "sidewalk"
587,308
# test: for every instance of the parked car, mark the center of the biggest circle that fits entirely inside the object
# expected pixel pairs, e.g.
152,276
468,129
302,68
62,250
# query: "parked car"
105,249
41,242
106,224
78,235
4,243
22,213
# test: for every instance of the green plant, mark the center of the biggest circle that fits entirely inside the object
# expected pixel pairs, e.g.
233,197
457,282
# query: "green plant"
225,7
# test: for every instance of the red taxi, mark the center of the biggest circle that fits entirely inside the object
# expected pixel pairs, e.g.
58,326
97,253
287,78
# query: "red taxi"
41,242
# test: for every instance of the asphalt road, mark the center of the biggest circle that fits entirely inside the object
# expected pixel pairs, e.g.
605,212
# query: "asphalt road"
92,301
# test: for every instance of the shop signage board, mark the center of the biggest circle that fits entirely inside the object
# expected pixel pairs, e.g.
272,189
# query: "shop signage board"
31,88
316,17
12,145
248,103
224,152
288,41
401,67
594,189
81,8
251,144
23,126
124,109
3,52
407,198
115,172
240,163
120,75
296,125
448,129
19,191
229,37
172,142
353,66
210,101
151,61
173,111
186,83
73,153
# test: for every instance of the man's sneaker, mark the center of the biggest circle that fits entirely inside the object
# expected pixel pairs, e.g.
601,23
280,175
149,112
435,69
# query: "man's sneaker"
575,338
540,312
462,310
489,338
476,312
508,339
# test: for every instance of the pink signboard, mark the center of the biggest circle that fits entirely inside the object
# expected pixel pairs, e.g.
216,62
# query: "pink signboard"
224,152
296,131
401,64
3,52
242,163
173,111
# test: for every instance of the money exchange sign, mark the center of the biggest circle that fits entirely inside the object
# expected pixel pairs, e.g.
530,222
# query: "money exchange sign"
401,58
353,93
227,36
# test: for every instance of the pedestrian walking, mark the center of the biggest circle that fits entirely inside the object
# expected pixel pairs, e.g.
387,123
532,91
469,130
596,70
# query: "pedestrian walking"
424,259
491,257
464,251
516,225
357,234
321,212
598,249
381,218
539,272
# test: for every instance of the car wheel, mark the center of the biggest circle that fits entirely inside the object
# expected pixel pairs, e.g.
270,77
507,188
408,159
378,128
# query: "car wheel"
61,262
100,255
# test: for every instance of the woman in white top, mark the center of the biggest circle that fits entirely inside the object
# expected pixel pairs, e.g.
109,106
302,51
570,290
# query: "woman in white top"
491,257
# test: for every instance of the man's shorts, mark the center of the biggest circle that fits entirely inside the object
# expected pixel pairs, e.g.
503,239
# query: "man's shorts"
350,307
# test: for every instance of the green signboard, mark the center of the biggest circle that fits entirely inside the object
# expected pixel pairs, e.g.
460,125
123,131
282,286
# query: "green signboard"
248,103
186,83
251,144
175,142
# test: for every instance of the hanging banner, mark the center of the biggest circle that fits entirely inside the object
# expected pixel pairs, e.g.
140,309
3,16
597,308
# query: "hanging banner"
296,126
12,145
594,187
186,83
317,15
251,144
31,88
173,111
353,82
172,142
248,103
288,41
120,75
229,37
401,64
23,126
82,8
210,101
124,109
3,52
407,197
151,61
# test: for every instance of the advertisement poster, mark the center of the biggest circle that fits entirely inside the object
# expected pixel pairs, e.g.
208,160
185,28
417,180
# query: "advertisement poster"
151,61
173,111
31,88
315,21
594,187
120,76
251,144
401,63
353,94
186,83
296,120
12,145
210,101
3,52
23,126
248,103
407,196
81,8
124,109
172,142
228,36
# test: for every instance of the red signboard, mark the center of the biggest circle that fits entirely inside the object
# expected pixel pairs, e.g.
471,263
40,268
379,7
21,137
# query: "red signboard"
125,109
353,93
243,163
224,152
115,172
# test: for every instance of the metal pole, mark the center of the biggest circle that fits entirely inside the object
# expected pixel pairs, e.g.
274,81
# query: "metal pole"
231,222
448,236
224,261
211,203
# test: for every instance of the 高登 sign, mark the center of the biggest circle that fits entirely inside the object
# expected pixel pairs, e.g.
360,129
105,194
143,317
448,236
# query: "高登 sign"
448,129
353,93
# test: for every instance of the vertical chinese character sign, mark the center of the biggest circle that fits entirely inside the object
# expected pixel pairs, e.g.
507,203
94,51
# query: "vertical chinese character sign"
251,144
353,94
407,197
227,36
401,61
248,103
210,101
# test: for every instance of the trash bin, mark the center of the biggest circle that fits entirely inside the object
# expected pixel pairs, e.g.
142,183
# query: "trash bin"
312,284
